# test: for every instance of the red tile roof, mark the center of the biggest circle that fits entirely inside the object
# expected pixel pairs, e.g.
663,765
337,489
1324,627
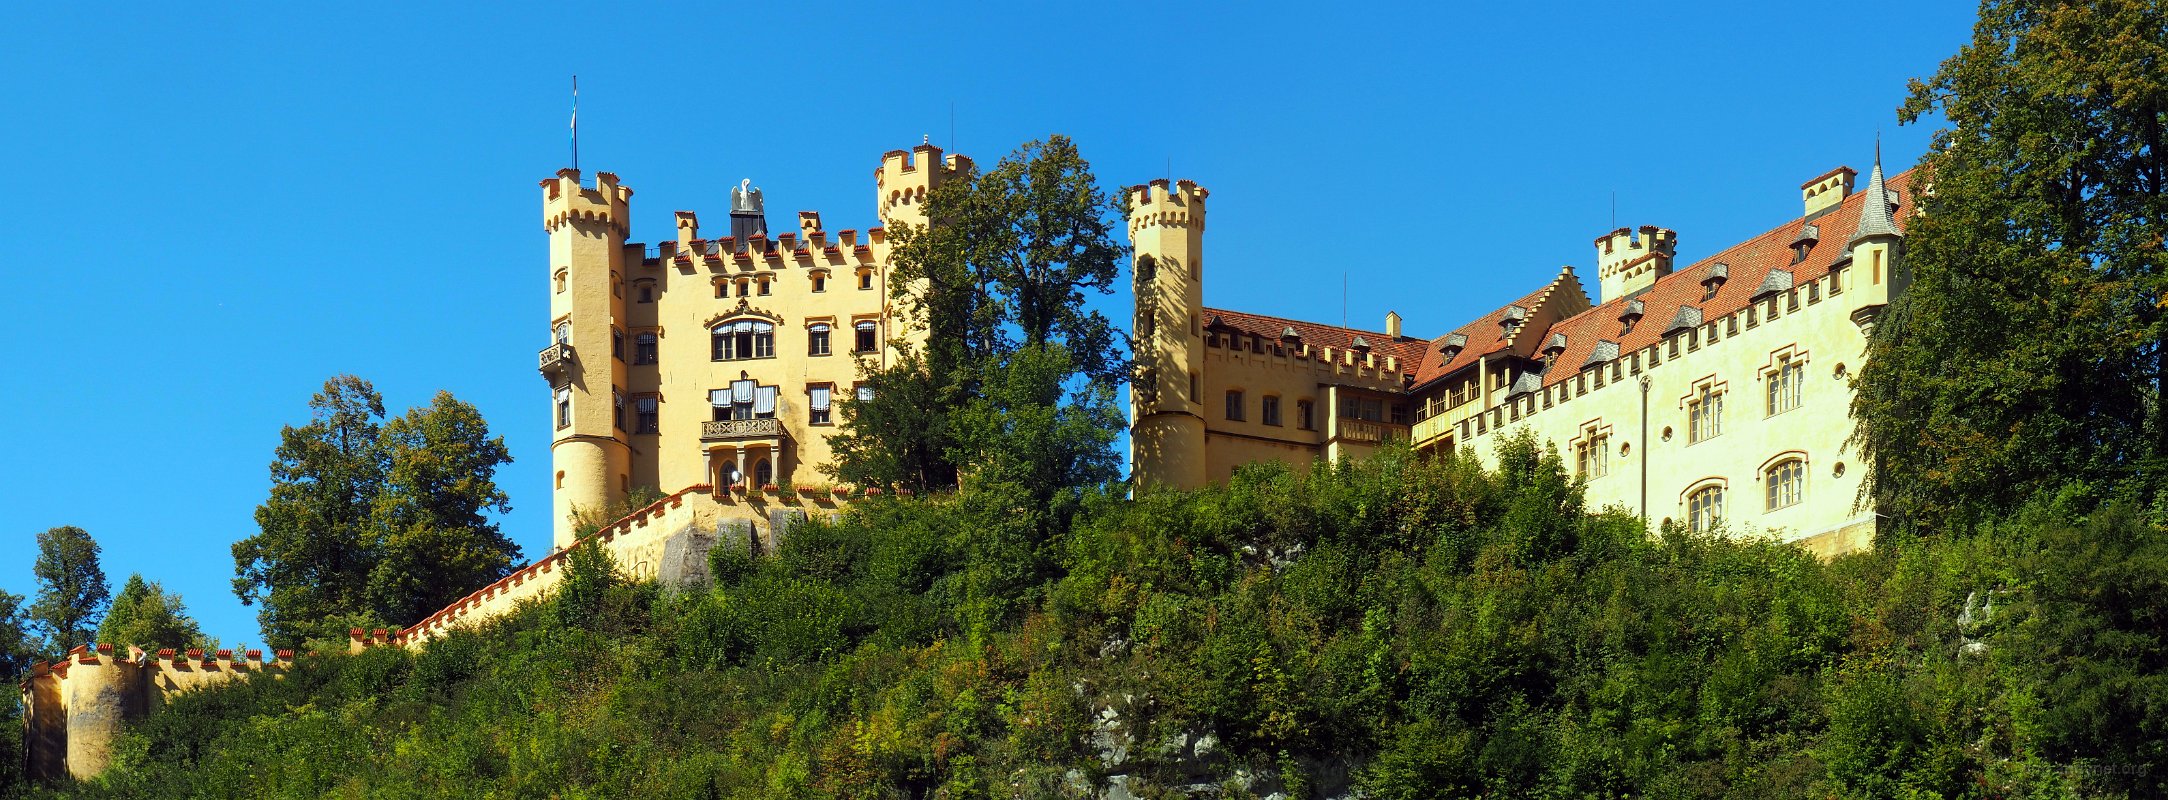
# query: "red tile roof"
1749,264
1406,348
1485,336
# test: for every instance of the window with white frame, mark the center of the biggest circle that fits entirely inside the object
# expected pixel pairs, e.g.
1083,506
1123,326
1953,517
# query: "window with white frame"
564,408
1705,415
742,339
817,402
1589,452
1705,508
869,337
1784,483
816,339
745,399
1784,385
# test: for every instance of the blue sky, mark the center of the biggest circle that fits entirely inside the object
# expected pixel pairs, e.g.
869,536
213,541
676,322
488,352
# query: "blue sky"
212,210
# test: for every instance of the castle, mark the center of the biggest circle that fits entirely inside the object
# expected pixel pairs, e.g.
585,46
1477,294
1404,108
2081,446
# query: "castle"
712,361
1712,395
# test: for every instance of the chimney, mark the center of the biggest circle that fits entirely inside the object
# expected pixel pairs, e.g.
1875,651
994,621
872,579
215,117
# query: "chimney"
1826,191
688,229
1392,324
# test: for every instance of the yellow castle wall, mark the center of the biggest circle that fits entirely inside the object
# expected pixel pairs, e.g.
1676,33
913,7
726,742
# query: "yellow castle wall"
811,275
1730,353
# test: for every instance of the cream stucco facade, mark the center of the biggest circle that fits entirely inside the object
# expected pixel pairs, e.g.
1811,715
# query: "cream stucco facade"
1712,395
712,361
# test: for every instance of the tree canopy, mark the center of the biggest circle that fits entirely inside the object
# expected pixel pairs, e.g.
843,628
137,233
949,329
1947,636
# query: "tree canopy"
372,523
2028,355
144,614
1017,377
72,591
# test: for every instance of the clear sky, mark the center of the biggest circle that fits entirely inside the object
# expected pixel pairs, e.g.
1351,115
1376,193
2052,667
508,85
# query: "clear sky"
213,208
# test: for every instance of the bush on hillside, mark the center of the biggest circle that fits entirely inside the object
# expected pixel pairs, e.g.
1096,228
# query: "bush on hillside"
1413,628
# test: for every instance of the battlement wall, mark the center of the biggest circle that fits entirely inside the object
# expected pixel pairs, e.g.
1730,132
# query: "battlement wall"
667,541
76,707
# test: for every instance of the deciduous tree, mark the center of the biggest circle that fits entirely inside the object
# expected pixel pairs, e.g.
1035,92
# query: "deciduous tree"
2029,353
373,521
72,592
1017,377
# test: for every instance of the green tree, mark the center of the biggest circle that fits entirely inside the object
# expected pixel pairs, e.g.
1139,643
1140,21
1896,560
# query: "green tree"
373,523
437,541
310,558
144,614
2029,353
1017,377
17,646
72,592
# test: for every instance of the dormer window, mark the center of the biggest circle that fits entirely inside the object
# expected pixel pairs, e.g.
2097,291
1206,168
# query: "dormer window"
1290,335
1630,316
1804,243
1511,321
1719,272
1552,347
1778,281
1361,344
1450,348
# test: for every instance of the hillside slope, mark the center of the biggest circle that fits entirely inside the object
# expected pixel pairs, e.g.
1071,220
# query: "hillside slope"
1398,628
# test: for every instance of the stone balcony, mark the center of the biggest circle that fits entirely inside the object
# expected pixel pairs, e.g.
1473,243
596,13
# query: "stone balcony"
556,358
731,430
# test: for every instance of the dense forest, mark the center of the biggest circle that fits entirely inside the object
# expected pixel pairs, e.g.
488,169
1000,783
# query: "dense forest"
1400,628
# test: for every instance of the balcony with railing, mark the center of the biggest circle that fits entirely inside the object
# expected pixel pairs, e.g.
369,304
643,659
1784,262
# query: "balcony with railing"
556,358
732,430
1363,431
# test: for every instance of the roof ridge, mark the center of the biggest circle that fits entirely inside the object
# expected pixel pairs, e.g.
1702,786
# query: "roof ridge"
1209,309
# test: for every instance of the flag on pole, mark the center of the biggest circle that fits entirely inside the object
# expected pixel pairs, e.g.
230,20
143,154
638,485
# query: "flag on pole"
575,122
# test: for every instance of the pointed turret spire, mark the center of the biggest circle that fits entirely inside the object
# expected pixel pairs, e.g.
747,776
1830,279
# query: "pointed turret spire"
1874,216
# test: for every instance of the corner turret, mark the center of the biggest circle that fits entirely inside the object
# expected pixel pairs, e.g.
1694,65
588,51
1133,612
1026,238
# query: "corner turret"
1876,245
1166,230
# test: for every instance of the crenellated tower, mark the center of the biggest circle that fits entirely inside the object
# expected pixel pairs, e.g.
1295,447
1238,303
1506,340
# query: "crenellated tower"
590,460
1166,436
1627,263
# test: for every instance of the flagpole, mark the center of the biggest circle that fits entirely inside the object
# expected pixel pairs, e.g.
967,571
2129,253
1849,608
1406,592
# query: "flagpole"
575,122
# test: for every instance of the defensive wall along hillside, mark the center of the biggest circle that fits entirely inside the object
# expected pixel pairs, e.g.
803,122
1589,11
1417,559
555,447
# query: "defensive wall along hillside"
76,707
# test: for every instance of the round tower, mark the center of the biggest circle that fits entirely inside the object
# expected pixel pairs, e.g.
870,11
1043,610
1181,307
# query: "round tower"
1166,422
590,461
101,693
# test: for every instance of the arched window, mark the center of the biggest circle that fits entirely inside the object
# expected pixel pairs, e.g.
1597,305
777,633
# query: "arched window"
742,339
1705,508
563,332
560,278
763,472
1785,483
1147,269
869,338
